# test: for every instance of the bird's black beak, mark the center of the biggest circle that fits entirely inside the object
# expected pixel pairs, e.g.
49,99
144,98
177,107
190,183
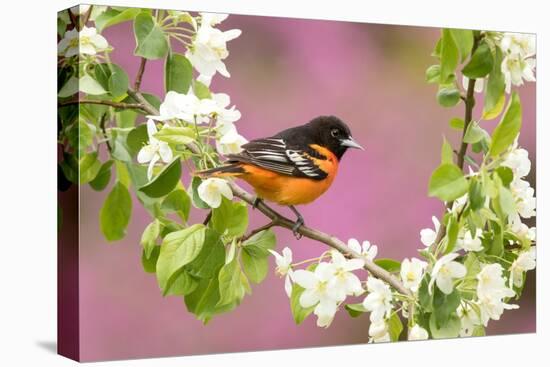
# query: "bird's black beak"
350,143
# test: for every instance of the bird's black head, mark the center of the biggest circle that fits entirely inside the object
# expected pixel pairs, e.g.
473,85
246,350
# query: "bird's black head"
332,133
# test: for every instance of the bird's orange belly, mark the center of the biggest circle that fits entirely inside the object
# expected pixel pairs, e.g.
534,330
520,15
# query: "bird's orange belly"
286,190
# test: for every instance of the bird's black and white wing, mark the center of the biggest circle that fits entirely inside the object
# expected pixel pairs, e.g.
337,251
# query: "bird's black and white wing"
275,155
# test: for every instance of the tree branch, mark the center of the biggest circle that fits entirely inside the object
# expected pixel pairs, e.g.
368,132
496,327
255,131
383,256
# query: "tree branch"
139,76
282,221
265,227
138,106
469,103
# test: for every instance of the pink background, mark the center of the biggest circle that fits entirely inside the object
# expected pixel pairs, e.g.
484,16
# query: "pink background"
283,73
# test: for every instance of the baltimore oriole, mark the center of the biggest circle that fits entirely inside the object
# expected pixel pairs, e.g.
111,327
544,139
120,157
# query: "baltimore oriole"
293,167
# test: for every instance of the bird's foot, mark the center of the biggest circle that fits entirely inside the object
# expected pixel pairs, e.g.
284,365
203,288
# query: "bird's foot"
299,222
296,227
256,202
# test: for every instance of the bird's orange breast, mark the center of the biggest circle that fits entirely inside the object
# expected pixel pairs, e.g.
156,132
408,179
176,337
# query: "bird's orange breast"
289,190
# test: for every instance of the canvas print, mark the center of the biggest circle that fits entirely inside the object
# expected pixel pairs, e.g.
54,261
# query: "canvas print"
235,183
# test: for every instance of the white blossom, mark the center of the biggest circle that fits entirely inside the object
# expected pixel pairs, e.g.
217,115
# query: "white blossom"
230,143
378,332
521,44
518,63
225,116
209,47
284,267
521,230
469,243
187,107
343,280
212,189
154,151
418,333
378,301
411,273
428,235
525,198
366,249
319,291
525,261
491,291
518,161
469,319
85,42
445,271
212,19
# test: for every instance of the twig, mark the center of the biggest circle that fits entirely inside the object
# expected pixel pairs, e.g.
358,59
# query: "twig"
282,221
469,102
139,76
208,217
104,131
265,227
138,106
87,16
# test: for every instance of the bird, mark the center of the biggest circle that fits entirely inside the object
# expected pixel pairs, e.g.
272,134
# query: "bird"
292,167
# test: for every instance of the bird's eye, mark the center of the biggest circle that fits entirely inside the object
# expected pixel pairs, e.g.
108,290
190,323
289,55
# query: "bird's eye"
335,133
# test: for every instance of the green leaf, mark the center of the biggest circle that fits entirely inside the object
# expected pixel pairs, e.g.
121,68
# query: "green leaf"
506,175
473,267
447,183
231,287
176,135
88,167
496,247
230,218
182,285
444,306
464,40
432,74
355,309
150,38
178,73
446,152
90,86
259,244
449,55
103,177
452,234
150,263
178,201
202,301
195,198
136,139
481,62
115,213
390,265
476,194
424,296
126,118
457,123
149,237
298,312
448,96
494,95
165,181
474,133
120,150
450,329
69,88
395,327
479,330
254,267
508,128
506,201
211,257
201,90
177,250
112,78
112,17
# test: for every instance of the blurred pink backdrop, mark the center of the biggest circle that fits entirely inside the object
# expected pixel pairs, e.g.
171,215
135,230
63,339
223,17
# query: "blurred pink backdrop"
283,73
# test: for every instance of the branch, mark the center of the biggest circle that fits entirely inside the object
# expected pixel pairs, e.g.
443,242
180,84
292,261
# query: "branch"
281,221
469,103
138,106
139,76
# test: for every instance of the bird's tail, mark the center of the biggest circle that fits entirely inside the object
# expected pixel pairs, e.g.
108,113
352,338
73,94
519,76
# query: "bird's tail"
228,170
